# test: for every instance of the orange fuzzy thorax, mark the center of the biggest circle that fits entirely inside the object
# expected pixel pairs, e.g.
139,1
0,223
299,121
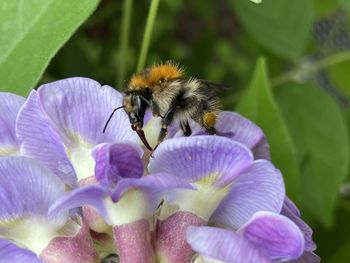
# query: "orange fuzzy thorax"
153,75
137,81
165,71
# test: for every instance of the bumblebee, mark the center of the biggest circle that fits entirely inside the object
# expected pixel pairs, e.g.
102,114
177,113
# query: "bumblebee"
170,95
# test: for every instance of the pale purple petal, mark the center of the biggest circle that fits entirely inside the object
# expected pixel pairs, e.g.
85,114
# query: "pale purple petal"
114,161
9,252
229,124
224,245
291,207
90,195
291,211
240,128
9,107
101,156
81,107
193,158
262,150
27,188
307,257
154,186
40,139
275,235
259,188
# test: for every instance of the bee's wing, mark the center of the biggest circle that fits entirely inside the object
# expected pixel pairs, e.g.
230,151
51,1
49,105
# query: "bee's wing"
213,85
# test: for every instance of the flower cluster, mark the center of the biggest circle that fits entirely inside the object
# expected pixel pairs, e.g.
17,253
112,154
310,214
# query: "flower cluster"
70,193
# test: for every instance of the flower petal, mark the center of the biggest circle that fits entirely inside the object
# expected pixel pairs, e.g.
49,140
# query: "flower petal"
239,128
114,161
193,158
90,195
9,107
307,257
9,252
26,189
41,140
291,211
260,188
291,207
153,185
77,248
262,150
80,107
229,124
275,235
225,245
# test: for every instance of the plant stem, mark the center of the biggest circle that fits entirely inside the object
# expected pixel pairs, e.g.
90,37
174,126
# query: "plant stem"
124,40
312,68
147,35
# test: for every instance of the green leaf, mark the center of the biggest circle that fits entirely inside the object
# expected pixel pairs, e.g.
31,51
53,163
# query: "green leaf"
327,249
282,26
344,3
320,135
258,105
340,77
342,254
325,8
32,31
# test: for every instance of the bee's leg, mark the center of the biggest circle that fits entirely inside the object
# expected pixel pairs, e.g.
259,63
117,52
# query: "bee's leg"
178,103
185,127
166,121
208,122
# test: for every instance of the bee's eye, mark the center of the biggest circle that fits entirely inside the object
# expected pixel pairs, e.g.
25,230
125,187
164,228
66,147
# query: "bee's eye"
161,80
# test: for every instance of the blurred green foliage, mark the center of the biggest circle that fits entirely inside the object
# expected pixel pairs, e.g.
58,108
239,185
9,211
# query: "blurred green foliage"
299,94
259,105
32,32
317,127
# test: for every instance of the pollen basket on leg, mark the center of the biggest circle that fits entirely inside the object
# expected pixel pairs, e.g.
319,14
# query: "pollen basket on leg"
209,119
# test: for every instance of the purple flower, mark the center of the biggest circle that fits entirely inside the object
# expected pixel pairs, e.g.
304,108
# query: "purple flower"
266,237
155,209
231,188
62,122
27,232
9,107
292,212
125,198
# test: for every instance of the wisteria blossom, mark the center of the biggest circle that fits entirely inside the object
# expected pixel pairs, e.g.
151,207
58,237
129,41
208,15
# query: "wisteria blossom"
97,195
266,237
27,232
9,107
62,122
231,187
126,199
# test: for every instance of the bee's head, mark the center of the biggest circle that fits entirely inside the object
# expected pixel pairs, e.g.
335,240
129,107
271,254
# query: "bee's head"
135,105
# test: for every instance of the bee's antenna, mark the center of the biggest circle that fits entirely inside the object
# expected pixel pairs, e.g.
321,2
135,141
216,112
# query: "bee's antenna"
110,117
